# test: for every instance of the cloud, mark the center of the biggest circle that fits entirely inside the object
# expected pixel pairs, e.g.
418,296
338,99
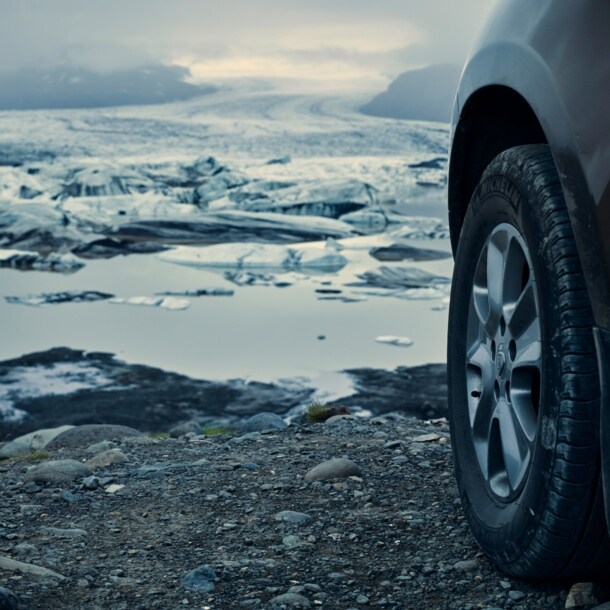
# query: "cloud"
241,37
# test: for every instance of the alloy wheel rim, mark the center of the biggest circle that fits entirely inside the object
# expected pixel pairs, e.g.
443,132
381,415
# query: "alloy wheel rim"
504,361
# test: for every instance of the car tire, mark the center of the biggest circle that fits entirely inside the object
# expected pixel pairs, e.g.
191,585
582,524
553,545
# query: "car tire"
524,390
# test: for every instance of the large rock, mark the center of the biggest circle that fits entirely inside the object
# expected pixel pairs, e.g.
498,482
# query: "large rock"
290,600
33,441
8,600
200,580
337,468
186,428
133,397
107,458
262,422
57,471
83,436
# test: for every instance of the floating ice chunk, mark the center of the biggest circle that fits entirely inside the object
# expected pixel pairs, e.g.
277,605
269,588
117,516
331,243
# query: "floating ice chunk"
373,219
422,227
280,160
442,306
249,255
56,298
434,163
108,211
325,259
248,278
401,252
420,294
199,292
398,341
36,226
171,303
400,277
326,198
60,263
343,298
234,226
241,255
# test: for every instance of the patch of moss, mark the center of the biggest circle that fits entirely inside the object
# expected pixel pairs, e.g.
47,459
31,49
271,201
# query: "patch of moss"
159,435
36,456
318,412
218,430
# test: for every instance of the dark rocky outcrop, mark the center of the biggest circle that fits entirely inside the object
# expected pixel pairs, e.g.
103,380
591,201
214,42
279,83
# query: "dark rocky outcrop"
421,95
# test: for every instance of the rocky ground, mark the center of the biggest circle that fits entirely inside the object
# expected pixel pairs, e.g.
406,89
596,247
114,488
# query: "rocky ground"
249,519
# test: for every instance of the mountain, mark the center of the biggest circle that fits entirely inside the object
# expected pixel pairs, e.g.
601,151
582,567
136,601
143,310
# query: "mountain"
70,86
424,95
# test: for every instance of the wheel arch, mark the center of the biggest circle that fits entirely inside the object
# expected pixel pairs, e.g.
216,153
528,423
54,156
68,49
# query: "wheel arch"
494,119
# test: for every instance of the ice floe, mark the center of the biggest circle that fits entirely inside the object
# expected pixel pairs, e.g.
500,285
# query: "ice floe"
422,227
37,227
234,226
405,252
327,198
164,302
60,263
397,341
252,255
400,278
199,292
57,298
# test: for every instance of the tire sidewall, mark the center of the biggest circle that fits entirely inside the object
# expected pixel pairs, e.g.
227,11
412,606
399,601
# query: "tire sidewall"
504,529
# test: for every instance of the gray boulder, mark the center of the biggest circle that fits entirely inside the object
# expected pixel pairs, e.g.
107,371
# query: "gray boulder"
57,471
262,422
183,429
83,436
338,468
33,441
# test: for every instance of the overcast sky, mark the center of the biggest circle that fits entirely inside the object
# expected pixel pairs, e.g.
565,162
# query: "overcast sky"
330,39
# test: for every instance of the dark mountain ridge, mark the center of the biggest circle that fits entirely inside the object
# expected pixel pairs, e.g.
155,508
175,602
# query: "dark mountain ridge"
422,95
70,86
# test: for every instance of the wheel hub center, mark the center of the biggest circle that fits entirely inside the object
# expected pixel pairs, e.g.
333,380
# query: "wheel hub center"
501,362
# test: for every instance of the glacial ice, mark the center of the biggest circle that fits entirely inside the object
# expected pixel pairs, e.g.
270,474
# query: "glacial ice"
398,341
55,298
327,198
400,278
164,302
24,260
258,256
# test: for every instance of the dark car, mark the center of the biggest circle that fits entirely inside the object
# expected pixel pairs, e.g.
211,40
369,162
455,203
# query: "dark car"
529,323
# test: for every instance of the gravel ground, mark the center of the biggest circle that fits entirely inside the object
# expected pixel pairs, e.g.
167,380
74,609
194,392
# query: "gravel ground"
201,522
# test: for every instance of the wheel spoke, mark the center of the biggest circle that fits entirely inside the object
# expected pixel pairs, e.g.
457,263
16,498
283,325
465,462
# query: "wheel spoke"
524,312
496,263
481,422
529,356
480,357
515,444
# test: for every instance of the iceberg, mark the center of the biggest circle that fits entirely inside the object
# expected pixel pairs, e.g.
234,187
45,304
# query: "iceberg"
257,256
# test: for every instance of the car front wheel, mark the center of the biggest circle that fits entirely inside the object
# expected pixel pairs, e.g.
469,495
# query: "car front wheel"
524,389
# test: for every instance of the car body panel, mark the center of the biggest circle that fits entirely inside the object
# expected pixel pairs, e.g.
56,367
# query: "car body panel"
556,55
